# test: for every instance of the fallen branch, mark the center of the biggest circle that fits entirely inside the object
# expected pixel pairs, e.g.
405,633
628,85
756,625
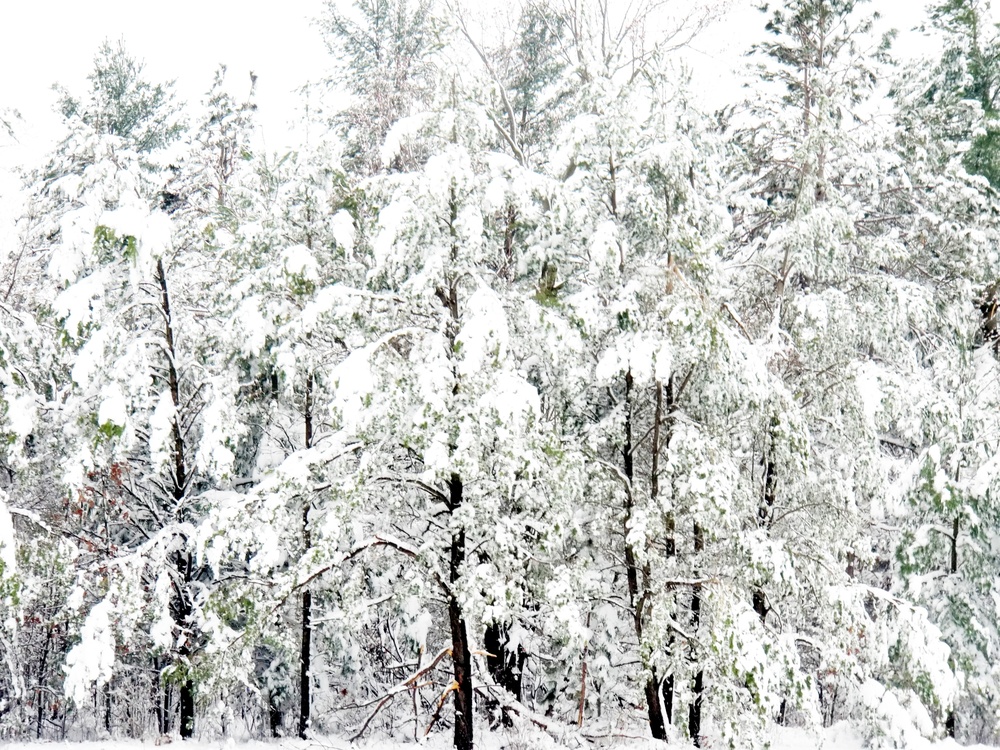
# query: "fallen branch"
556,729
408,684
437,712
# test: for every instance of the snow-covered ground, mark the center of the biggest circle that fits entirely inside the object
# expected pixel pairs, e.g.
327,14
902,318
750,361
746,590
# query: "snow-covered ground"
839,737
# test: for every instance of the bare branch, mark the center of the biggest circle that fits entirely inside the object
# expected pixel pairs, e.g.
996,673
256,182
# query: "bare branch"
402,687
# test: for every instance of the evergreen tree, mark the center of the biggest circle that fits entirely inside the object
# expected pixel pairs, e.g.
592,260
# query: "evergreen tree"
123,104
383,46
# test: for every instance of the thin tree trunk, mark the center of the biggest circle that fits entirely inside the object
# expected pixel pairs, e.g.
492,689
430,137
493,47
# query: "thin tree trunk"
507,268
638,599
39,695
694,710
670,545
304,661
173,380
461,656
583,682
954,545
182,606
305,652
949,722
765,513
107,707
162,699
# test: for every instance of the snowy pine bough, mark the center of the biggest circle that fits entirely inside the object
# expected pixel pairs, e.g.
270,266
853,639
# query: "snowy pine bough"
526,398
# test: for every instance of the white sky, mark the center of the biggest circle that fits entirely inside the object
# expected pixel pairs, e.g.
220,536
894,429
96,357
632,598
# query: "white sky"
48,41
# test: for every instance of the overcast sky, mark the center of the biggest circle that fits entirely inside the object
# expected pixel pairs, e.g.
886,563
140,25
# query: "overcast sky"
47,41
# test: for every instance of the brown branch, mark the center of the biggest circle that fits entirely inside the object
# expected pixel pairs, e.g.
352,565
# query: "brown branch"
737,321
437,712
407,684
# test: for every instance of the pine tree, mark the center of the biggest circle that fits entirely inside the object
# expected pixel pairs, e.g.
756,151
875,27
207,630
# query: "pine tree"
145,418
122,103
384,47
825,239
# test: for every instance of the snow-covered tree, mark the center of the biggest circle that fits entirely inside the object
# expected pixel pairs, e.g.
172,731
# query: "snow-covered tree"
823,234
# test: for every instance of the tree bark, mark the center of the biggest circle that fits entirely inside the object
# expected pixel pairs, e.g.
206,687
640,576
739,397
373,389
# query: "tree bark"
39,695
662,418
182,607
461,656
637,599
162,698
694,710
305,650
173,381
765,514
304,659
949,722
187,708
107,707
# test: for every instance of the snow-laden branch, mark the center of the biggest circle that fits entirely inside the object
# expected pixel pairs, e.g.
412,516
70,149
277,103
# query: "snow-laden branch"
410,683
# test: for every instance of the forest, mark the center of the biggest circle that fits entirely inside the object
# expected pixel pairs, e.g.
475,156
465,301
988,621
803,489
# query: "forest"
525,395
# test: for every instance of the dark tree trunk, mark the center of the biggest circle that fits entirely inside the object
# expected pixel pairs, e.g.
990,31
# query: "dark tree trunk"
182,608
305,652
765,514
40,711
662,418
107,707
461,656
274,716
667,691
954,545
180,477
42,669
694,710
949,722
463,674
181,612
637,598
504,666
657,726
304,658
162,699
187,708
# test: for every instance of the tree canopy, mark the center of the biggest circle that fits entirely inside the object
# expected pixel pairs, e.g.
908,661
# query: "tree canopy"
526,396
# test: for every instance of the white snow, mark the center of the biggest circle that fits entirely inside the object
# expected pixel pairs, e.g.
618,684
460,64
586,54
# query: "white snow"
8,547
342,225
113,409
298,260
840,736
92,659
161,424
